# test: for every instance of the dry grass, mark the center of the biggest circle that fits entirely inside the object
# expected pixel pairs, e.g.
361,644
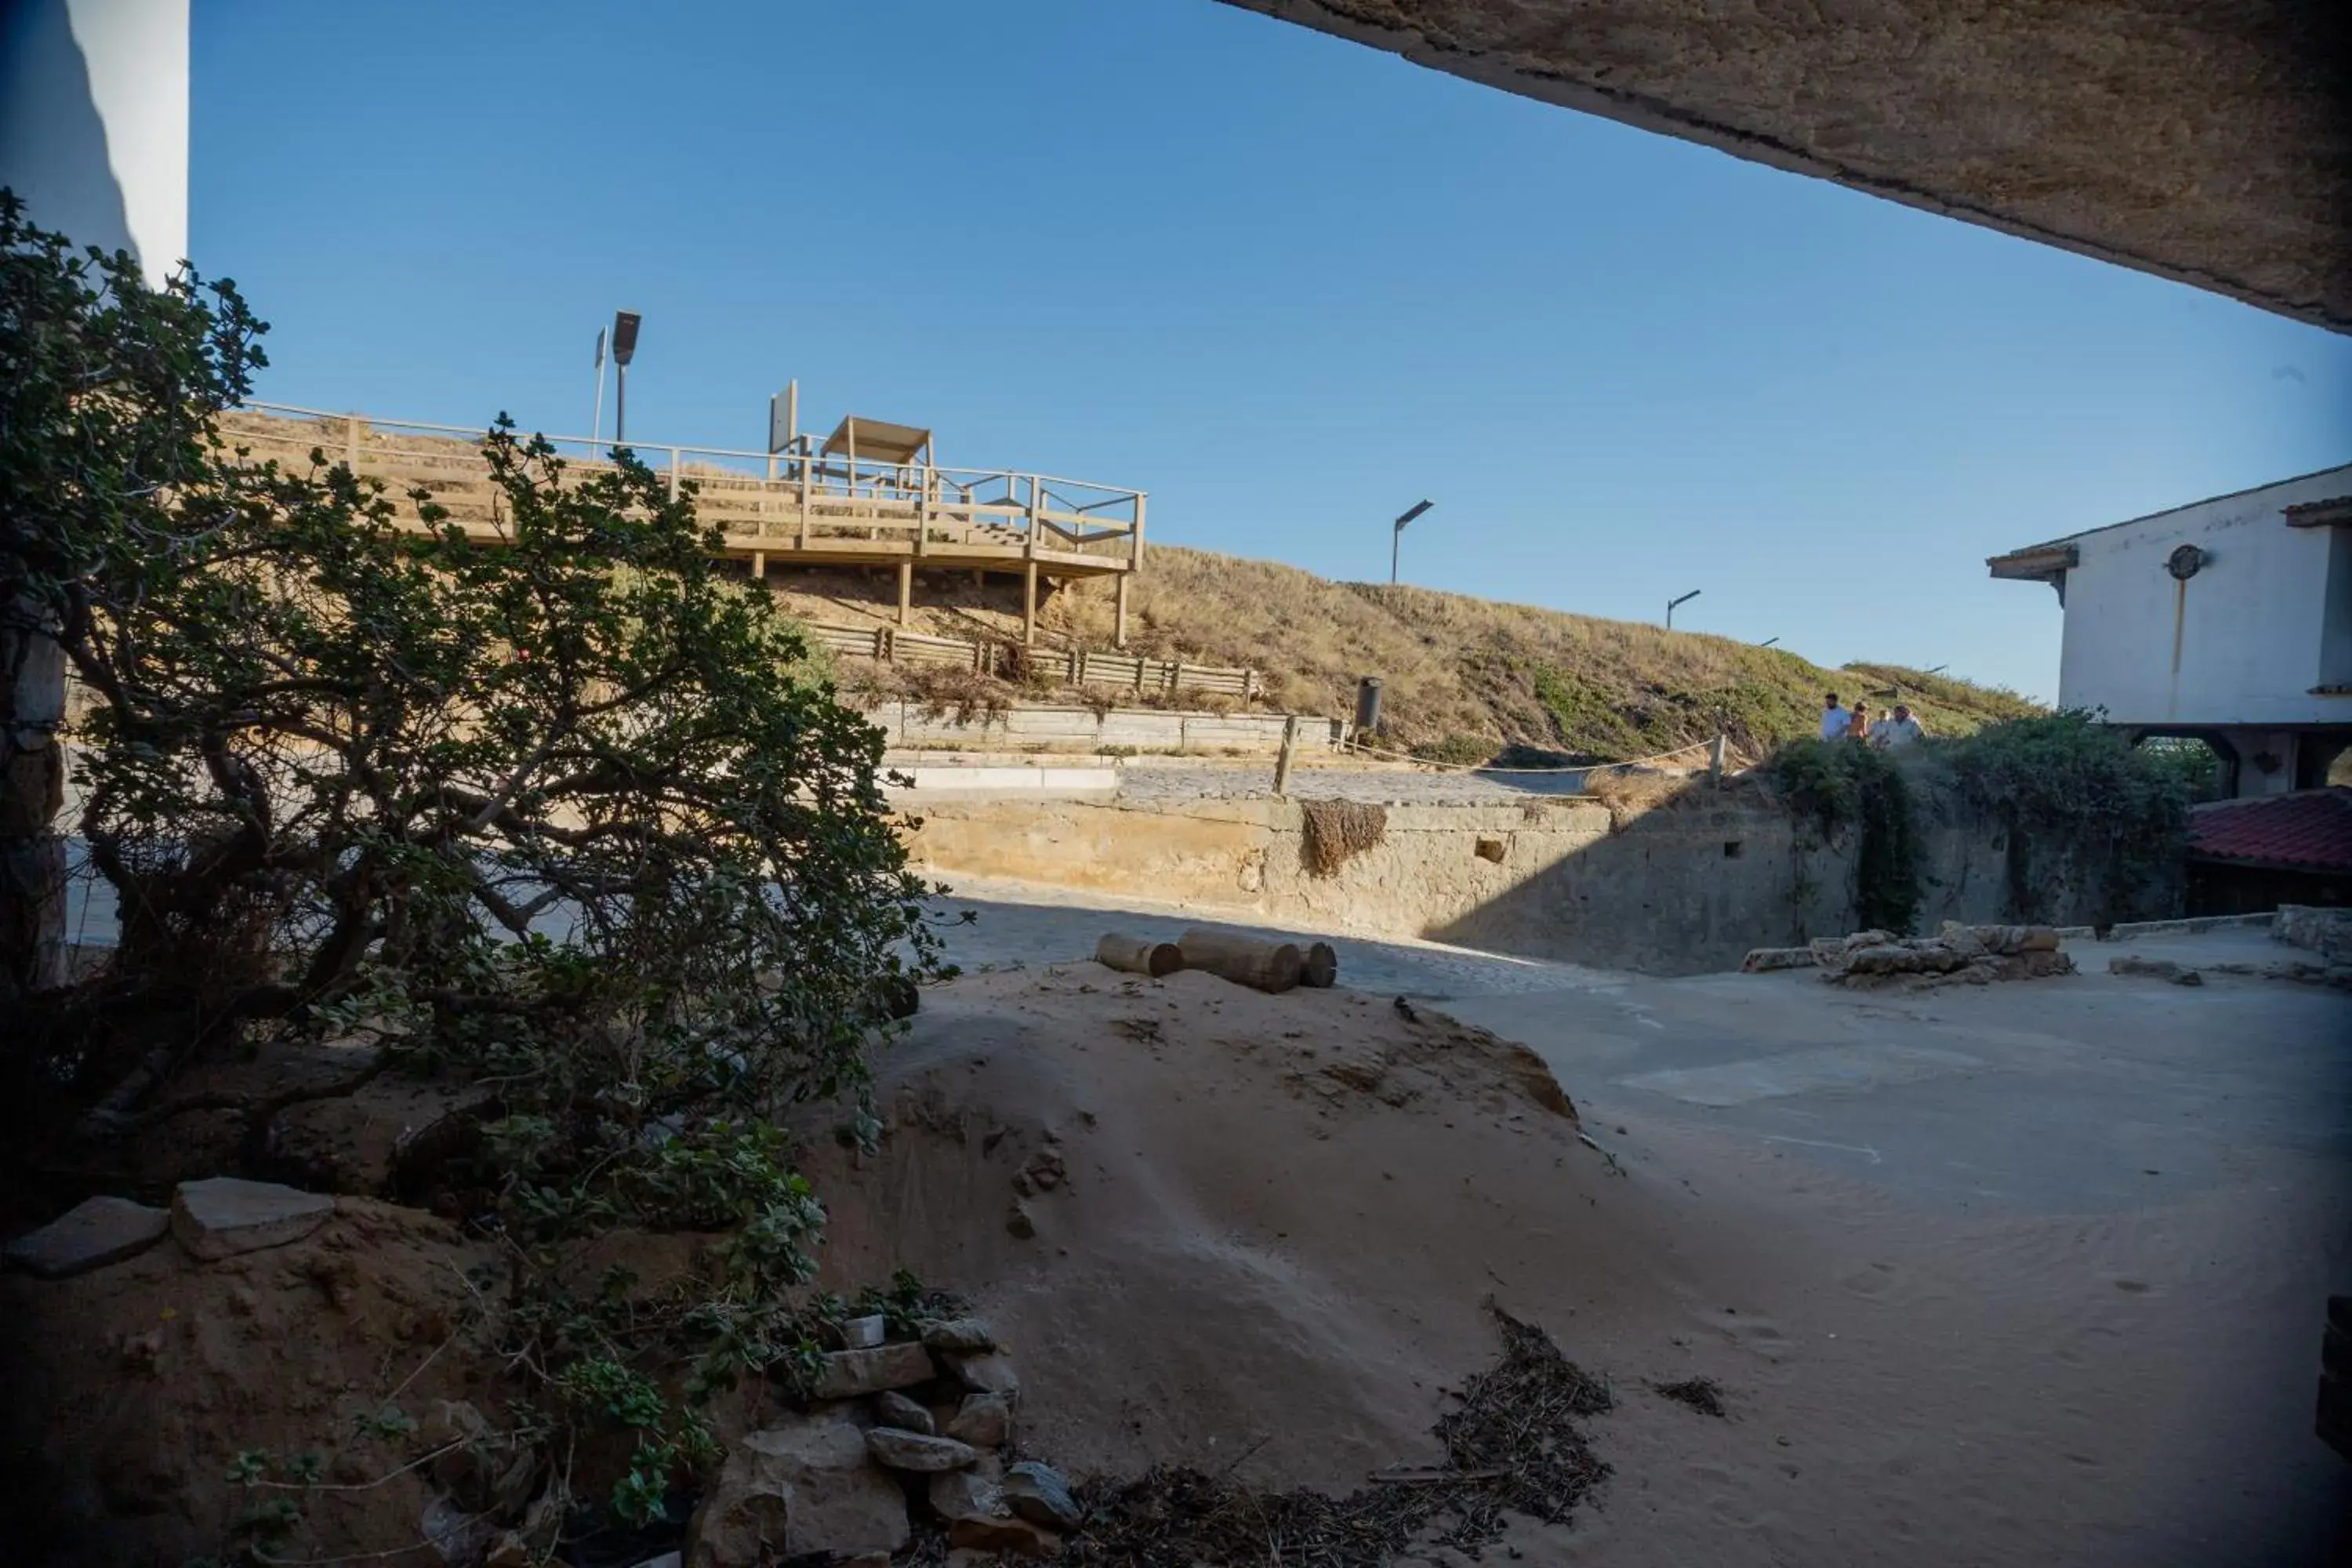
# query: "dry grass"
1465,677
1336,831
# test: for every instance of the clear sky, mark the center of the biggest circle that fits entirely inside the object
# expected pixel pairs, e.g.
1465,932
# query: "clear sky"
1286,284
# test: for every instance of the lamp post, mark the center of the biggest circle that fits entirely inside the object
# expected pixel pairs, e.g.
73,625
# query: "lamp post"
596,425
1396,537
1685,599
624,349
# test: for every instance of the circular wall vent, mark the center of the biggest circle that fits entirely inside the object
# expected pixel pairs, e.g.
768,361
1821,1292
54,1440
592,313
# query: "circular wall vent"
2185,563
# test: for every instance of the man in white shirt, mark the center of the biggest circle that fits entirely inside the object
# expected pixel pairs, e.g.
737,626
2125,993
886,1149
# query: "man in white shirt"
1836,722
1900,730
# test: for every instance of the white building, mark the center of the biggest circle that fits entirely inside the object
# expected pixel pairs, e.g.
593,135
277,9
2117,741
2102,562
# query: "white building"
94,122
2229,620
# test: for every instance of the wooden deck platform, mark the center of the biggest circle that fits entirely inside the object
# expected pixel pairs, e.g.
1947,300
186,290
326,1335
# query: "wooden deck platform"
773,511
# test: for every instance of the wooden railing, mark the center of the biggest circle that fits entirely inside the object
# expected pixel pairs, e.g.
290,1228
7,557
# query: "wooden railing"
1068,667
782,502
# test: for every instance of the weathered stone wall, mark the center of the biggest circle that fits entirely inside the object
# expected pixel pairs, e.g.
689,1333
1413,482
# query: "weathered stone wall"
1686,887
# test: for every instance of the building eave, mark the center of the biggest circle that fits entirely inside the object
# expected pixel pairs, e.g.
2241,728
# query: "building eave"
2037,564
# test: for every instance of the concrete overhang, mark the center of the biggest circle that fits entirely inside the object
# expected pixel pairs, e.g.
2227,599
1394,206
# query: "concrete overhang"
2205,140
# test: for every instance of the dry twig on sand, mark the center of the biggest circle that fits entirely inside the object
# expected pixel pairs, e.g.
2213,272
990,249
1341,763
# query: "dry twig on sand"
1703,1394
1512,1447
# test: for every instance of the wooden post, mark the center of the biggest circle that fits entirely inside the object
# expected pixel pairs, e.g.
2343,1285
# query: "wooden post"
1029,604
759,565
1286,757
352,443
805,500
923,510
906,590
1138,955
1135,544
1244,960
676,461
1119,617
1715,757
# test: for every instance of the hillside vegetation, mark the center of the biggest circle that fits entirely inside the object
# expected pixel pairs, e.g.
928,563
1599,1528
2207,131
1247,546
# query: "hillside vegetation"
1463,676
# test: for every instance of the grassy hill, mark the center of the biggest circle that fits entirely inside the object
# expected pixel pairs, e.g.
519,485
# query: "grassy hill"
1463,676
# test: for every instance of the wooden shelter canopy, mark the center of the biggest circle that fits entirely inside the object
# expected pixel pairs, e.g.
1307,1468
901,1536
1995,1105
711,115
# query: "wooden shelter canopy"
879,440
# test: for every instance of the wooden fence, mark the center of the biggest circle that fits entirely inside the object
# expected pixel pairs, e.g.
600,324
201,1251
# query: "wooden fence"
1068,667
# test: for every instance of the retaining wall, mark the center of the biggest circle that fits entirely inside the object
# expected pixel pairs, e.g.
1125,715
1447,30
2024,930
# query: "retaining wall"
1682,889
1084,728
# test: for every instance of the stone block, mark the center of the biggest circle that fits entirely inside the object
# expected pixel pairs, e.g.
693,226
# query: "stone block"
1019,1536
225,1215
968,1334
988,1373
983,1420
92,1234
803,1487
895,1409
1038,1493
902,1450
852,1374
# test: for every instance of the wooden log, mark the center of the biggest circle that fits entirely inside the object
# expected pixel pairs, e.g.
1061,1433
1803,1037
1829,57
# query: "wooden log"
1137,955
1273,966
1321,971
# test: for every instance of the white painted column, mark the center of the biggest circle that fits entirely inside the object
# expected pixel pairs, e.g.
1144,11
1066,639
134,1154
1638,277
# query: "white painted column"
94,122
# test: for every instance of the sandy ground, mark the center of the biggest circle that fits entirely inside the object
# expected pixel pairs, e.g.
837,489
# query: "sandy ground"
2025,1274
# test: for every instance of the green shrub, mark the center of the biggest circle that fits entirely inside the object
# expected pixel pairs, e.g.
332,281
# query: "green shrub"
2066,787
1837,784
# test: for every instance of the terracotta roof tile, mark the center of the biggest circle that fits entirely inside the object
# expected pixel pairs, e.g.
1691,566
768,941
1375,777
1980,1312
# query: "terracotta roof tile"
2310,829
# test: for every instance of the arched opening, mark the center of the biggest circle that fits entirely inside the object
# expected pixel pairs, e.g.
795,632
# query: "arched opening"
2205,762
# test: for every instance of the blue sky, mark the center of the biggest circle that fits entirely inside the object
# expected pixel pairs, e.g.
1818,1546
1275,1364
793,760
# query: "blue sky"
1286,284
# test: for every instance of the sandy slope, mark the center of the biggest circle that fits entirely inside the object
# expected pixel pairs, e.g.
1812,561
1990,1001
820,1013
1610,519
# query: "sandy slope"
1250,1254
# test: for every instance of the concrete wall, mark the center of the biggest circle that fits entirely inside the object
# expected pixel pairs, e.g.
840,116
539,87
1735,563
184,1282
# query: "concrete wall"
1083,729
94,122
1681,889
2252,630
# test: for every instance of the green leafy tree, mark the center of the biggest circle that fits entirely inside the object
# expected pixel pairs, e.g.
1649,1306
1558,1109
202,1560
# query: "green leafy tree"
563,810
107,391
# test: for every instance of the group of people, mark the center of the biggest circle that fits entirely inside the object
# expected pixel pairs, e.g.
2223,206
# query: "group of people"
1839,723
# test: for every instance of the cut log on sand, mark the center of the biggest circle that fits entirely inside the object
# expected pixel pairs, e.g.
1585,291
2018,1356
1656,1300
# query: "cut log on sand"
1138,955
1322,969
1272,966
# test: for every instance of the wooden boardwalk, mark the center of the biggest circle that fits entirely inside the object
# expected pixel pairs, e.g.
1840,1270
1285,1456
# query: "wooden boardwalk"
786,509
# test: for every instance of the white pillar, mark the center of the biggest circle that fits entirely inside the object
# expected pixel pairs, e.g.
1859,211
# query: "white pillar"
94,122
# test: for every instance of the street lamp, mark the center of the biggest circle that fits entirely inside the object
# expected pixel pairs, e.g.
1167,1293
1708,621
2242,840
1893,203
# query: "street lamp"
1685,599
596,425
624,349
1396,537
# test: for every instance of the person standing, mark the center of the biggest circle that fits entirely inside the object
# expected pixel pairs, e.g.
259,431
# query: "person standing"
1857,726
1836,722
1903,730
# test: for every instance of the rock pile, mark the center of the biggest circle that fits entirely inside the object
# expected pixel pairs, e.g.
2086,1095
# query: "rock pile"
896,1433
1974,955
210,1219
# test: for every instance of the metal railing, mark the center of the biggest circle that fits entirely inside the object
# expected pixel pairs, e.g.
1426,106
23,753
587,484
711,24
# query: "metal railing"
782,501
